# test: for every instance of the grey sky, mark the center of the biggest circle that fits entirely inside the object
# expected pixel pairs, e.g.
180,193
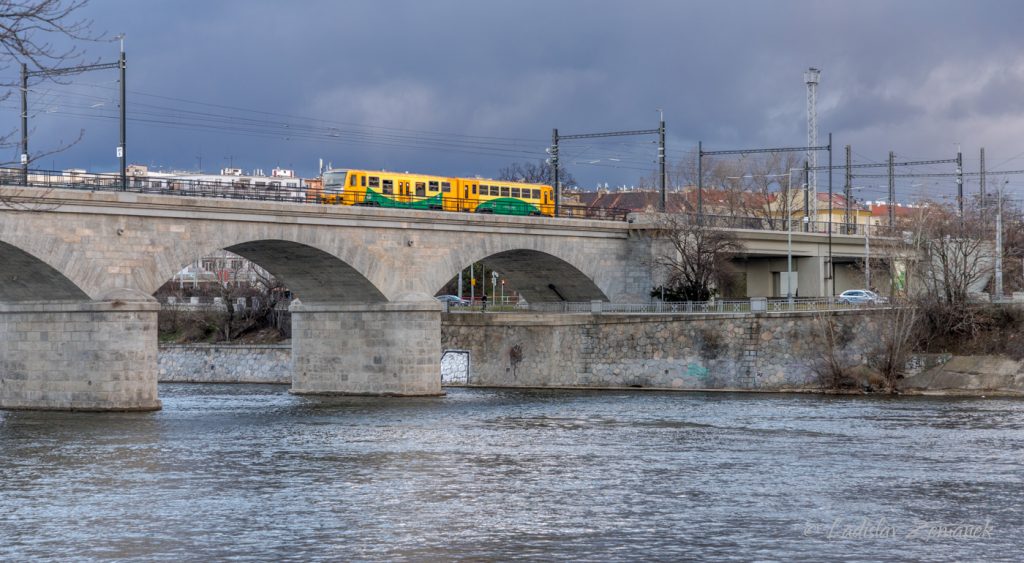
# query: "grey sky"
913,77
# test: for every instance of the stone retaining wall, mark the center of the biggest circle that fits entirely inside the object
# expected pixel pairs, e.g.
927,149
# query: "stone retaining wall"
772,351
205,363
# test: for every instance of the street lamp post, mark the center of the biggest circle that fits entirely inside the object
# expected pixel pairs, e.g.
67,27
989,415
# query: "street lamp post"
494,282
867,245
867,255
789,226
789,234
999,242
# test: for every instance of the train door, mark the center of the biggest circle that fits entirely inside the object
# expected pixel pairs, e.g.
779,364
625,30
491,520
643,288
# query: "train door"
403,190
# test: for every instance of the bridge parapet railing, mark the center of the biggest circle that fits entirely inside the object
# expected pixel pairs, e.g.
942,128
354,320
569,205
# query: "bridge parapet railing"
264,189
718,306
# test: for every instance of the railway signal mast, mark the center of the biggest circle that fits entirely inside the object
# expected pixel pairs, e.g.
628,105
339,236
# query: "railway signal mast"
811,78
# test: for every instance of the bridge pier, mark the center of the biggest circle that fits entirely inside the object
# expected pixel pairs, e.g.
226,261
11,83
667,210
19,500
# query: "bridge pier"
811,276
391,348
79,355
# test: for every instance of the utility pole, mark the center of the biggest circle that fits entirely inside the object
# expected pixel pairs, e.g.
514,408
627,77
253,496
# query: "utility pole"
981,184
122,149
811,79
831,269
51,72
807,201
554,169
24,124
848,190
999,242
960,184
867,255
700,182
892,189
556,138
661,160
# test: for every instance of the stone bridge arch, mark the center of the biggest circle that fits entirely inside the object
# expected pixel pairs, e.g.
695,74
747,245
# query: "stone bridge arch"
312,274
537,275
26,277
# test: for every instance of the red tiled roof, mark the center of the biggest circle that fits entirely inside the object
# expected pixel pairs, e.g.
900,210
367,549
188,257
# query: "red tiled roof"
882,210
634,201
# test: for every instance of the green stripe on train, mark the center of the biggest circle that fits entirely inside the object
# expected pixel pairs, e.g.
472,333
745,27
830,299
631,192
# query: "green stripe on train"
379,200
508,206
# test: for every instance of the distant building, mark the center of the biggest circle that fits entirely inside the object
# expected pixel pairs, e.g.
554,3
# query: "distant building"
282,184
763,209
880,213
223,268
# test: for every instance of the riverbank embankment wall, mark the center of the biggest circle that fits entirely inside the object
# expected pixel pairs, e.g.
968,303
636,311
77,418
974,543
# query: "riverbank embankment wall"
769,351
231,363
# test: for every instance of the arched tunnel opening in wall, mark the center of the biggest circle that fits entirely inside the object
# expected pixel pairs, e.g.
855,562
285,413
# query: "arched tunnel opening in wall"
537,276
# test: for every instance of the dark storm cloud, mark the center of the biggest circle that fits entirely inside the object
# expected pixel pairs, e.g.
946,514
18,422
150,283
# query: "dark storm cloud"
729,73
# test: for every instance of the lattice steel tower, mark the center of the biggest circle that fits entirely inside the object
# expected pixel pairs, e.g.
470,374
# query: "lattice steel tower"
811,78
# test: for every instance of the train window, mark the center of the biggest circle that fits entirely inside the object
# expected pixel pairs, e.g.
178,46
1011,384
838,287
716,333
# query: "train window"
446,187
433,186
363,180
388,187
504,191
515,192
420,186
474,189
494,190
485,189
536,194
352,180
374,182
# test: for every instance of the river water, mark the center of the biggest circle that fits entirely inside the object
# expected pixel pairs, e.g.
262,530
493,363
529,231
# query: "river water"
252,473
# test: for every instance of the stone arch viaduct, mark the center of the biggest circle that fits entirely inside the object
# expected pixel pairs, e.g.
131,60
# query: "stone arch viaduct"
78,270
78,320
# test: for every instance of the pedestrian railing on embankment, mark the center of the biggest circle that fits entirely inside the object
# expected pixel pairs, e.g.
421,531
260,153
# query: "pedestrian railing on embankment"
753,305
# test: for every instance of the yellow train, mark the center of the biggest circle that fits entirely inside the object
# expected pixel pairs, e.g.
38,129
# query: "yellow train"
418,191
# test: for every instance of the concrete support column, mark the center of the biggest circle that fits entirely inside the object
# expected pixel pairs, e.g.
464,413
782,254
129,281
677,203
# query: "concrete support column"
810,276
79,355
366,348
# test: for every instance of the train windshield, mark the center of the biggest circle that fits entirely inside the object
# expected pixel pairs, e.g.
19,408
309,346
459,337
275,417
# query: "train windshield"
334,181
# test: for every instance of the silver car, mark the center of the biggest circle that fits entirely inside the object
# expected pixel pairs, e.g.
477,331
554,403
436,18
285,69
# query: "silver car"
452,300
858,296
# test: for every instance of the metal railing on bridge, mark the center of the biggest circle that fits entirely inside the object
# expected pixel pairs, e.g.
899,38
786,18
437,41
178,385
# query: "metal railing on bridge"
270,191
718,306
242,188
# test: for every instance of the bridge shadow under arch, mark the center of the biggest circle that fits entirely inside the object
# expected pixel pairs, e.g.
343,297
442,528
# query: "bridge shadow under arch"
541,277
23,277
310,273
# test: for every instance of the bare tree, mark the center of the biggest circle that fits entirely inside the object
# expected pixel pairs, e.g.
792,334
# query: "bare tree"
772,193
698,263
44,35
898,332
34,32
249,302
535,173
